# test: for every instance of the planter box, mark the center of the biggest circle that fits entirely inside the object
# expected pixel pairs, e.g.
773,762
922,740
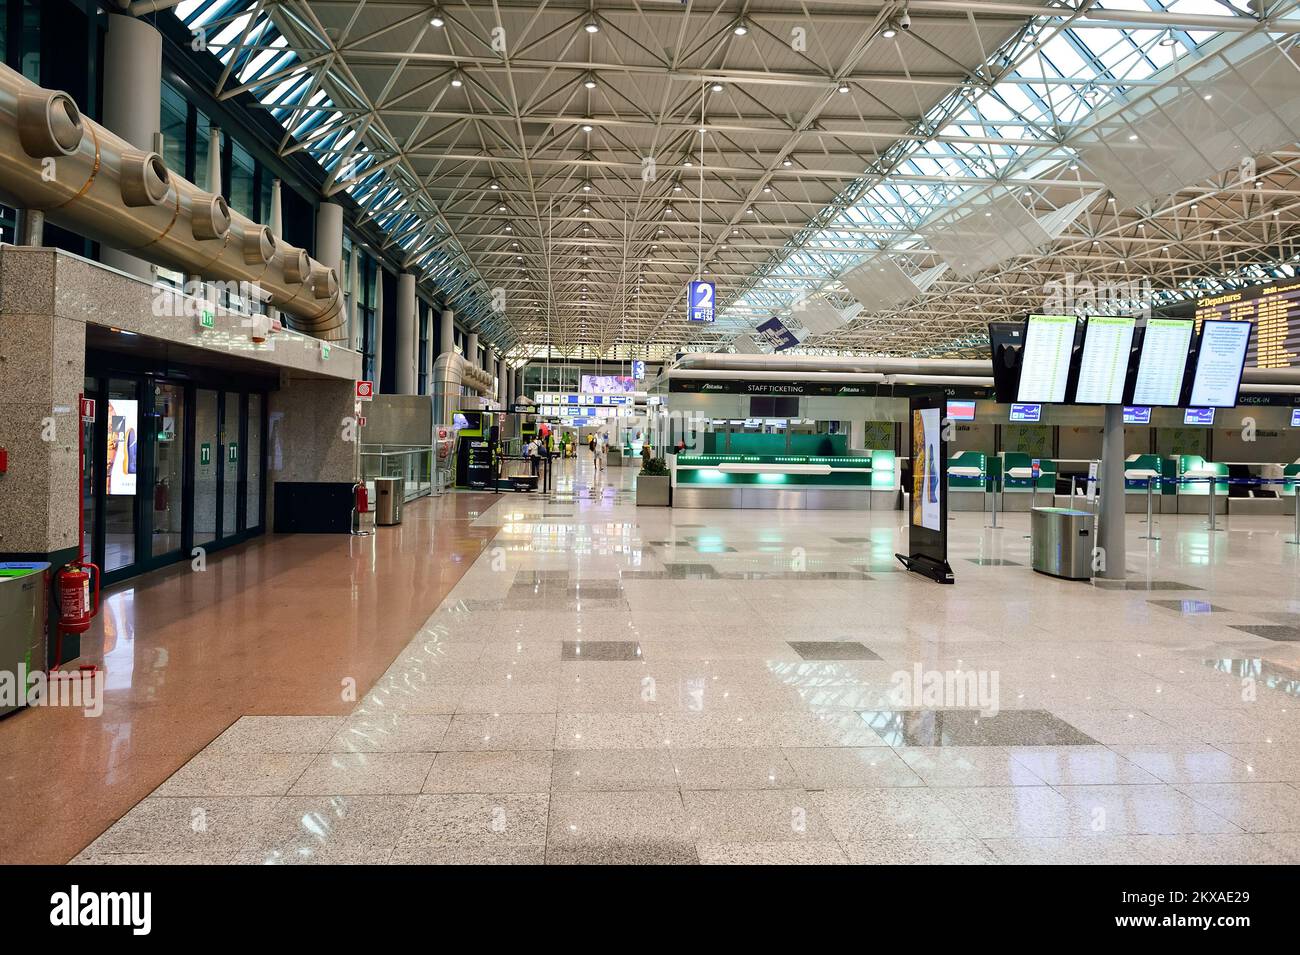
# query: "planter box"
652,490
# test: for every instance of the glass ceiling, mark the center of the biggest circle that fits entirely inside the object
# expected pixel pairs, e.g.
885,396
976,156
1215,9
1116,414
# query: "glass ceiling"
1074,72
311,118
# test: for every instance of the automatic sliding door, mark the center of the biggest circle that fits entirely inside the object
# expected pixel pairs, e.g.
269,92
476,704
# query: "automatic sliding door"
254,456
230,435
207,451
168,468
121,468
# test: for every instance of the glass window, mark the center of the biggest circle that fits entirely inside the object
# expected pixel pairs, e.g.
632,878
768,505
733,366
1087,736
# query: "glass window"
241,181
201,128
173,112
169,466
255,456
206,448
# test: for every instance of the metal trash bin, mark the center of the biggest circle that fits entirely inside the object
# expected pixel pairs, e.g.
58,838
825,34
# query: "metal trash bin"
1061,542
389,493
24,586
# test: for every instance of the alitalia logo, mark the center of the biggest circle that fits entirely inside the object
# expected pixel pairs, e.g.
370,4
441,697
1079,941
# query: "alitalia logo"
709,386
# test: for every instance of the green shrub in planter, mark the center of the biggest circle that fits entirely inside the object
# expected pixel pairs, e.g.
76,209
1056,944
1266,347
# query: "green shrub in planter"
655,467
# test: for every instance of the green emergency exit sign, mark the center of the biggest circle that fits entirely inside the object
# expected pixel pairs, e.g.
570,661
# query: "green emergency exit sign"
207,319
234,452
205,454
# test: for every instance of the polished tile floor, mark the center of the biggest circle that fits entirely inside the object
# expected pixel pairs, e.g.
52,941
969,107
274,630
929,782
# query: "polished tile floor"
607,684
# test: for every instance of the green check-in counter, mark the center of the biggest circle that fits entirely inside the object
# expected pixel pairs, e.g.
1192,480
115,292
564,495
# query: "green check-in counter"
1193,471
863,481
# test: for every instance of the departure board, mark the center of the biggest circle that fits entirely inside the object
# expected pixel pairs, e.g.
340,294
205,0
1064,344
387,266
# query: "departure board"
1275,310
1045,367
1163,362
1104,366
1219,362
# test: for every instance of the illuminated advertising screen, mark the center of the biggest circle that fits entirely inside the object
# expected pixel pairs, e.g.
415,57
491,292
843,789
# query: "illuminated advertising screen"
608,384
1295,417
123,445
1201,416
1026,414
926,483
1219,362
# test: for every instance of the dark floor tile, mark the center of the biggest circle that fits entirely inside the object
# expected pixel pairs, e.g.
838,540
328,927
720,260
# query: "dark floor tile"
1189,607
600,650
967,727
993,562
832,650
1272,675
852,540
691,571
1270,631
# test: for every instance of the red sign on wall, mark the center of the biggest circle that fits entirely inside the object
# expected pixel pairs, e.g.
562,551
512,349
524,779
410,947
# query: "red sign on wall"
87,409
365,390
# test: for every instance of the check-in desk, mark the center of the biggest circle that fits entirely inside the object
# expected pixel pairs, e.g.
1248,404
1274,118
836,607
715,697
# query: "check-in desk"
1194,479
786,481
968,481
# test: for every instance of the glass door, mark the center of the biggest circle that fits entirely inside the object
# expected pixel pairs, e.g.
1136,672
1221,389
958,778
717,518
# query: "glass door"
119,474
207,450
231,446
167,473
254,464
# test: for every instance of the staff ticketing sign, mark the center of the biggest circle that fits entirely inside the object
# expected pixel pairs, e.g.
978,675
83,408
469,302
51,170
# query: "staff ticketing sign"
773,333
699,302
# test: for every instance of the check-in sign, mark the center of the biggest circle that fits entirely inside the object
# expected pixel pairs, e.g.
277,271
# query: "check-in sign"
700,302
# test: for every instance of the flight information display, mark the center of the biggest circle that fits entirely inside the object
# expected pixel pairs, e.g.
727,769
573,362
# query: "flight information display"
1163,362
1199,416
1219,362
1045,368
1275,311
1104,367
1025,414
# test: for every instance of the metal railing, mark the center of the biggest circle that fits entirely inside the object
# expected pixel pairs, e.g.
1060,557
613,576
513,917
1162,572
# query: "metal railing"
413,463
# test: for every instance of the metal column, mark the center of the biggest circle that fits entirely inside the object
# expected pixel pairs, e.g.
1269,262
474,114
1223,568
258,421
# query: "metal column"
405,381
1111,524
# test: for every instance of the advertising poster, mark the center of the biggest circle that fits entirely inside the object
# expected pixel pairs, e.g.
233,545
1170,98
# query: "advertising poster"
123,445
926,480
608,384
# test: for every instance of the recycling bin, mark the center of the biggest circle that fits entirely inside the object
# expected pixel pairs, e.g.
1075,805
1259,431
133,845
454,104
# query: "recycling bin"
1061,542
389,492
24,586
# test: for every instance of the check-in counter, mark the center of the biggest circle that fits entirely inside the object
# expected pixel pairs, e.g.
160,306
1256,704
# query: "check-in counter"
786,481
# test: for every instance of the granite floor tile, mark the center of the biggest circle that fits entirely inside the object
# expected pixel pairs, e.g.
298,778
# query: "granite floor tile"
760,815
731,769
329,829
364,774
919,852
236,774
475,829
389,732
613,770
1251,807
201,825
771,853
509,731
857,815
619,828
850,767
506,771
264,735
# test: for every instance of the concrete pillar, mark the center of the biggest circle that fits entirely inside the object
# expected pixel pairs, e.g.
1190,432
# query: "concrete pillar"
379,326
471,349
503,390
1111,524
276,218
447,333
430,352
329,247
406,334
132,102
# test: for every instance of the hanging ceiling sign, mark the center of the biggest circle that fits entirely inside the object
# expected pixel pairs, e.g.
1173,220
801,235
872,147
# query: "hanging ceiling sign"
700,296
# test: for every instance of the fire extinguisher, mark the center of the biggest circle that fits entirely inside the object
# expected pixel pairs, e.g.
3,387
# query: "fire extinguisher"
76,607
363,498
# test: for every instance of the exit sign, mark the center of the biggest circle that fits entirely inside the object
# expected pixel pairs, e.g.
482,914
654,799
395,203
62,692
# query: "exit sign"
207,319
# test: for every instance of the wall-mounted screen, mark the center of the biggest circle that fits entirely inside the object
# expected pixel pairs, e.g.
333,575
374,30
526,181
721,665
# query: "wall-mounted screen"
1219,361
1045,366
1006,346
1026,414
1202,416
961,410
608,384
1295,417
1136,415
123,442
1104,366
1163,362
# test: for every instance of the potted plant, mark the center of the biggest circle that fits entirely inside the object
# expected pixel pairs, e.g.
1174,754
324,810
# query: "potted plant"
653,484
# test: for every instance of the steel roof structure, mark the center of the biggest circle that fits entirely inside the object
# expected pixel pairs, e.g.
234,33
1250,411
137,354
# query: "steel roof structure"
585,159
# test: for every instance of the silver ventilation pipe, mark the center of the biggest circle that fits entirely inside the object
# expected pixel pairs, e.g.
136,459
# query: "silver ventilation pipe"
85,178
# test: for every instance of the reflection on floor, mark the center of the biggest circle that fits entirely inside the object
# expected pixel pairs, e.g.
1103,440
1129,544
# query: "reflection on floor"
613,684
274,626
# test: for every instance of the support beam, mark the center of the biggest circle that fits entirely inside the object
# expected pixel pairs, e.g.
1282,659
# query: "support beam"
1111,524
404,382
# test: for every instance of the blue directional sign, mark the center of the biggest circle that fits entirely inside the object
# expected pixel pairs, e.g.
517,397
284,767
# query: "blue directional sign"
700,302
774,333
638,370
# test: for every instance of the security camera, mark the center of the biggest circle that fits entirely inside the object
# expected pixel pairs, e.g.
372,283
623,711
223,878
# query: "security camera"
905,21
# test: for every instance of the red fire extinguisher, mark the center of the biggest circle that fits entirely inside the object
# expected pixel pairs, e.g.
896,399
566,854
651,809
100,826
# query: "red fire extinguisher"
363,498
76,607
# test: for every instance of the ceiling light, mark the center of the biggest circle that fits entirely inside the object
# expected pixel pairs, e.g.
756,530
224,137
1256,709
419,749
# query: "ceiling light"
436,18
1168,39
494,185
843,87
457,79
741,27
687,164
767,188
589,81
1132,137
716,87
586,185
586,125
787,162
591,26
890,31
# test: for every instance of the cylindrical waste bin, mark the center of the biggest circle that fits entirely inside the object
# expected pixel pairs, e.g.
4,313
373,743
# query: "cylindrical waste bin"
389,492
1061,542
23,589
